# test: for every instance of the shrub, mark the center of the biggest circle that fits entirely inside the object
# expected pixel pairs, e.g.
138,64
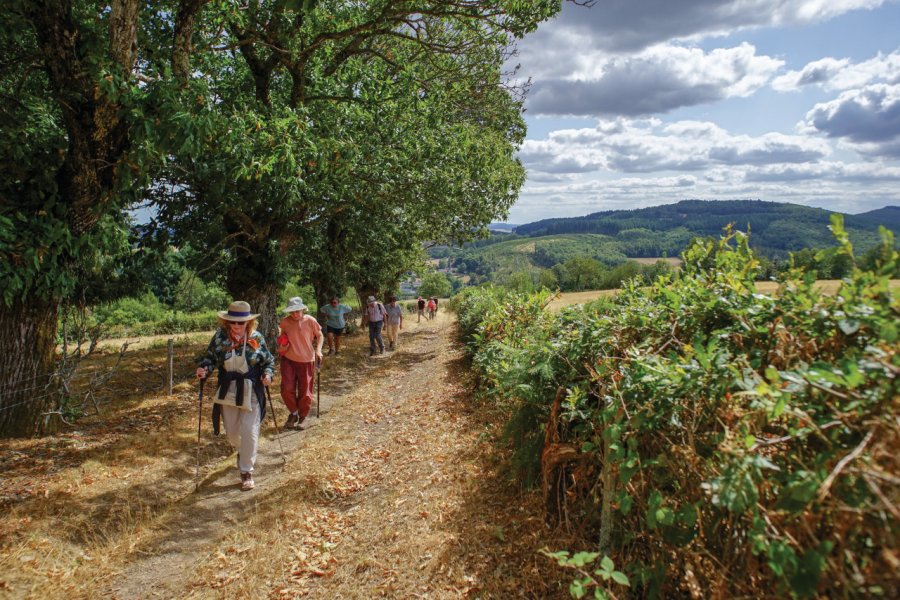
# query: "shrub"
715,441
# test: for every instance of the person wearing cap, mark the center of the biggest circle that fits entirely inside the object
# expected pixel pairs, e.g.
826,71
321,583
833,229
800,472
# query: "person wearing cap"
334,313
394,321
244,366
298,361
374,316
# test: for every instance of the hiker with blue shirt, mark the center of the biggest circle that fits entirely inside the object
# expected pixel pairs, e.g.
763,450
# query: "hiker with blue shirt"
335,324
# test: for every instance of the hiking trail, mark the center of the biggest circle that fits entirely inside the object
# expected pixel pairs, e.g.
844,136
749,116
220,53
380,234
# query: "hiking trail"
393,492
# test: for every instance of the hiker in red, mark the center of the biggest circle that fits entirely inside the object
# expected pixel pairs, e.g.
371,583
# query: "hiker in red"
303,347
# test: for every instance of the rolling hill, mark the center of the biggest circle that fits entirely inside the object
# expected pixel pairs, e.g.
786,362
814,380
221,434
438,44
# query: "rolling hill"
776,228
613,237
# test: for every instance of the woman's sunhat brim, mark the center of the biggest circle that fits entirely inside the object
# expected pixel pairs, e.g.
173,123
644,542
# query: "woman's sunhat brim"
291,309
236,317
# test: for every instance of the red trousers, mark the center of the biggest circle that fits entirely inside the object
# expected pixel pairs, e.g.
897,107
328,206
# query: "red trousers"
297,380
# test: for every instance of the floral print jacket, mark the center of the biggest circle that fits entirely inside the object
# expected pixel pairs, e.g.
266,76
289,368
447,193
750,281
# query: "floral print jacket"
259,359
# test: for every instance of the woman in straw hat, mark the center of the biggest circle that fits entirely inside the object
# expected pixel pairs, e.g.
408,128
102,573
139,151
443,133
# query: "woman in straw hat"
245,365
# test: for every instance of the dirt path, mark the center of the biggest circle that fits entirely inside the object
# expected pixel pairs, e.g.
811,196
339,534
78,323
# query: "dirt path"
393,493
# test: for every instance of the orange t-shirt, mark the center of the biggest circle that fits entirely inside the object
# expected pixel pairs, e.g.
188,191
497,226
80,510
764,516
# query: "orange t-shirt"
301,337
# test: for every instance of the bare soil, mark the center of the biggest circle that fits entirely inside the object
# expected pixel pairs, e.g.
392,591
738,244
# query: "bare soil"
397,490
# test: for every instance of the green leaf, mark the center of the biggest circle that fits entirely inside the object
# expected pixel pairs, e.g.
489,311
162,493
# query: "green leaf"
620,578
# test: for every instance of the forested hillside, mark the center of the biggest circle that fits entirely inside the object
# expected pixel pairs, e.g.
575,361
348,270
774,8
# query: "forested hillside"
602,250
776,228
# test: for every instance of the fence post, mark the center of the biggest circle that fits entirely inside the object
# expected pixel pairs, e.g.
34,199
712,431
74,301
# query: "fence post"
171,364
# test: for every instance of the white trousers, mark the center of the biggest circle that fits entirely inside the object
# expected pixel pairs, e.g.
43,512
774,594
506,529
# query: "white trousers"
242,429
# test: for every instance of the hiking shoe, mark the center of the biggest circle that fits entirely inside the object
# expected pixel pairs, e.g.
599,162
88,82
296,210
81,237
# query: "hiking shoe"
392,346
371,353
329,352
291,421
337,352
301,424
247,482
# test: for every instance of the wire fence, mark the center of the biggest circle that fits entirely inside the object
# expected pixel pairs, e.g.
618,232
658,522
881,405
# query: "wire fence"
72,385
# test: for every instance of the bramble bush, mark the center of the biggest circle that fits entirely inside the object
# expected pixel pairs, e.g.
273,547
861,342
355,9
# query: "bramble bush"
710,440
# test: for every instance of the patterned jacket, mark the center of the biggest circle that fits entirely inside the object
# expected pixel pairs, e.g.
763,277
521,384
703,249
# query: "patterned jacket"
259,359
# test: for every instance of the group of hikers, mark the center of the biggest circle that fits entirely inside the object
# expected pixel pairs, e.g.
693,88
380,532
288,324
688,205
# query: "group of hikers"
246,366
431,305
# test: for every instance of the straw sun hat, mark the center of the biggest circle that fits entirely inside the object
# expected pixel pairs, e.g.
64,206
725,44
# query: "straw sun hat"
238,311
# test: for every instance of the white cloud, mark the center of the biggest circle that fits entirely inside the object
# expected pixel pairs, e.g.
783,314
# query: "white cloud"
631,25
826,171
650,146
657,80
841,74
637,65
868,120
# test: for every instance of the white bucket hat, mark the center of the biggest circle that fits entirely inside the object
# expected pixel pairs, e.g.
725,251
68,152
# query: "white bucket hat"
295,304
370,300
238,311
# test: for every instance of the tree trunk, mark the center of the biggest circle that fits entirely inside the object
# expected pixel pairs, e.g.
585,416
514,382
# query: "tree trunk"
28,337
264,300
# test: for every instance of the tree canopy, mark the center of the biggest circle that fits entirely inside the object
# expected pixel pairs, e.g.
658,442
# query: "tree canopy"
282,137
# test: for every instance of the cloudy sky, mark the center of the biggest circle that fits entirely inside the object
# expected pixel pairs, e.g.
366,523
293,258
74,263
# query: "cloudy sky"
635,103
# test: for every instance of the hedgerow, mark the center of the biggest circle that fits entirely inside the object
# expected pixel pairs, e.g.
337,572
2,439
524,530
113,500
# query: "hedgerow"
710,440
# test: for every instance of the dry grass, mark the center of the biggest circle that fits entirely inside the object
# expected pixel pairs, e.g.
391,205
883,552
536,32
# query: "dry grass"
570,298
397,493
526,248
672,262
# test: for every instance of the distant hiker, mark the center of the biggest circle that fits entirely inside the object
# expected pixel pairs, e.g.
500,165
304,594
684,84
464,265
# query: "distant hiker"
298,363
420,302
432,308
394,321
334,312
374,316
245,365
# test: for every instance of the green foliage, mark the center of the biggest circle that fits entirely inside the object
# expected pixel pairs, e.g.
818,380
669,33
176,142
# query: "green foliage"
435,284
735,428
146,315
192,295
131,311
604,575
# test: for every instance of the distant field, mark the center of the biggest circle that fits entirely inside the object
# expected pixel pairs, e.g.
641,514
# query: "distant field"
674,262
570,298
828,286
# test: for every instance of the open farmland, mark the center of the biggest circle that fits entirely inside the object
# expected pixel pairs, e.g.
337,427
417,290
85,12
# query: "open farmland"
828,286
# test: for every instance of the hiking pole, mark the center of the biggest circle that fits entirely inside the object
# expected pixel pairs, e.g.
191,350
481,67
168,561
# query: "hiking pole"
318,386
199,422
275,422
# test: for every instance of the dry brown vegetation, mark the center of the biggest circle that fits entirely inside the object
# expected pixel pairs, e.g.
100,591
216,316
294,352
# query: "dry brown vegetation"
672,262
827,286
397,491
